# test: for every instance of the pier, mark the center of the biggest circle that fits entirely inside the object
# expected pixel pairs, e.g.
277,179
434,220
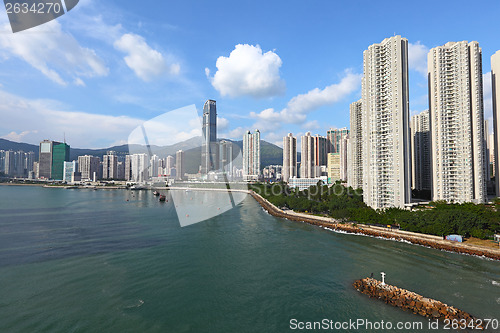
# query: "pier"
410,301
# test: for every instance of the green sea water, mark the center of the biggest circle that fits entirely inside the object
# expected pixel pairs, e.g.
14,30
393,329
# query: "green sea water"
118,261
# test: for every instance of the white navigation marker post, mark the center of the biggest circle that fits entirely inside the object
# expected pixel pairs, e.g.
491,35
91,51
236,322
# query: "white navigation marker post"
383,278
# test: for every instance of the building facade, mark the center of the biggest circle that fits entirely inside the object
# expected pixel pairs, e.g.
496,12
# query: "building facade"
251,155
421,151
179,165
289,157
457,122
386,124
334,166
89,166
355,147
209,148
110,166
495,84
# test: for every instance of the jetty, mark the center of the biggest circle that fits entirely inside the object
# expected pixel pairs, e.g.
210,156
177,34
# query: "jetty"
410,301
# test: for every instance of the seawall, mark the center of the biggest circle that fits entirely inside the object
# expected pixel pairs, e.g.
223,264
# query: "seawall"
414,238
410,301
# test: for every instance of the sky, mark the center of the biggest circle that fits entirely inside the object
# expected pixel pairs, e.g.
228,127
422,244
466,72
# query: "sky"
96,73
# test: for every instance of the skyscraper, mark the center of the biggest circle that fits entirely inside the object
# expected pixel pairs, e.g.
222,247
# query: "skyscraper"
139,167
457,121
355,148
226,158
344,144
289,157
45,159
179,165
335,137
386,130
421,151
51,158
334,166
251,155
307,162
495,84
89,166
110,165
209,149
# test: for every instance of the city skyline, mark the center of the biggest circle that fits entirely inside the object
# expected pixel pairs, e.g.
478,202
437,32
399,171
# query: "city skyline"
133,66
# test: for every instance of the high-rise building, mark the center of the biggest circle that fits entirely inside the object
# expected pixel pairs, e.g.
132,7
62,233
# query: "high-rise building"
45,159
179,165
321,149
386,124
169,164
29,160
251,155
307,163
51,158
491,146
10,163
421,151
89,166
334,166
2,161
128,168
70,168
344,157
60,154
355,147
289,169
335,137
139,167
110,166
154,163
210,148
457,122
495,84
226,158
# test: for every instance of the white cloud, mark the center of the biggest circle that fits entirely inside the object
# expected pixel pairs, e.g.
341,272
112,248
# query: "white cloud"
146,62
55,53
311,125
417,57
36,120
248,72
222,123
17,137
234,134
299,106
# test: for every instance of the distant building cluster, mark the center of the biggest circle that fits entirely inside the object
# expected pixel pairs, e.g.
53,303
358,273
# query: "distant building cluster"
323,158
16,163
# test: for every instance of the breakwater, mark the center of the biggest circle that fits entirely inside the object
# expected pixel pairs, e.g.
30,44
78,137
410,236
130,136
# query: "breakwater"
418,239
410,301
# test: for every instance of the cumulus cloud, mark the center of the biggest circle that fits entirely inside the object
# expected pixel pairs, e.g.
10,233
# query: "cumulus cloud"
53,52
146,62
17,137
222,123
417,57
301,105
36,119
248,72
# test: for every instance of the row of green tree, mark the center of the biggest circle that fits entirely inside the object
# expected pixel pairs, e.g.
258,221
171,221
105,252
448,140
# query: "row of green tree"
346,204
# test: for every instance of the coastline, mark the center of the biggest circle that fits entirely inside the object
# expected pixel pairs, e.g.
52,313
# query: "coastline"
430,241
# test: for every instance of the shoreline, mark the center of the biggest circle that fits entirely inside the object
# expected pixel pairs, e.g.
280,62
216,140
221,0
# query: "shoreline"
431,241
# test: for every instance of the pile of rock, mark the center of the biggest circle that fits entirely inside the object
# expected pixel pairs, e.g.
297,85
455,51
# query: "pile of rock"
410,301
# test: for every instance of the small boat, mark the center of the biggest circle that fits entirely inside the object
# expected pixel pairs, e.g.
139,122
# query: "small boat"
162,198
156,193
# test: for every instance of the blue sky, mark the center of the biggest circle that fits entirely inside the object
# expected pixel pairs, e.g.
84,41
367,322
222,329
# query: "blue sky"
102,69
